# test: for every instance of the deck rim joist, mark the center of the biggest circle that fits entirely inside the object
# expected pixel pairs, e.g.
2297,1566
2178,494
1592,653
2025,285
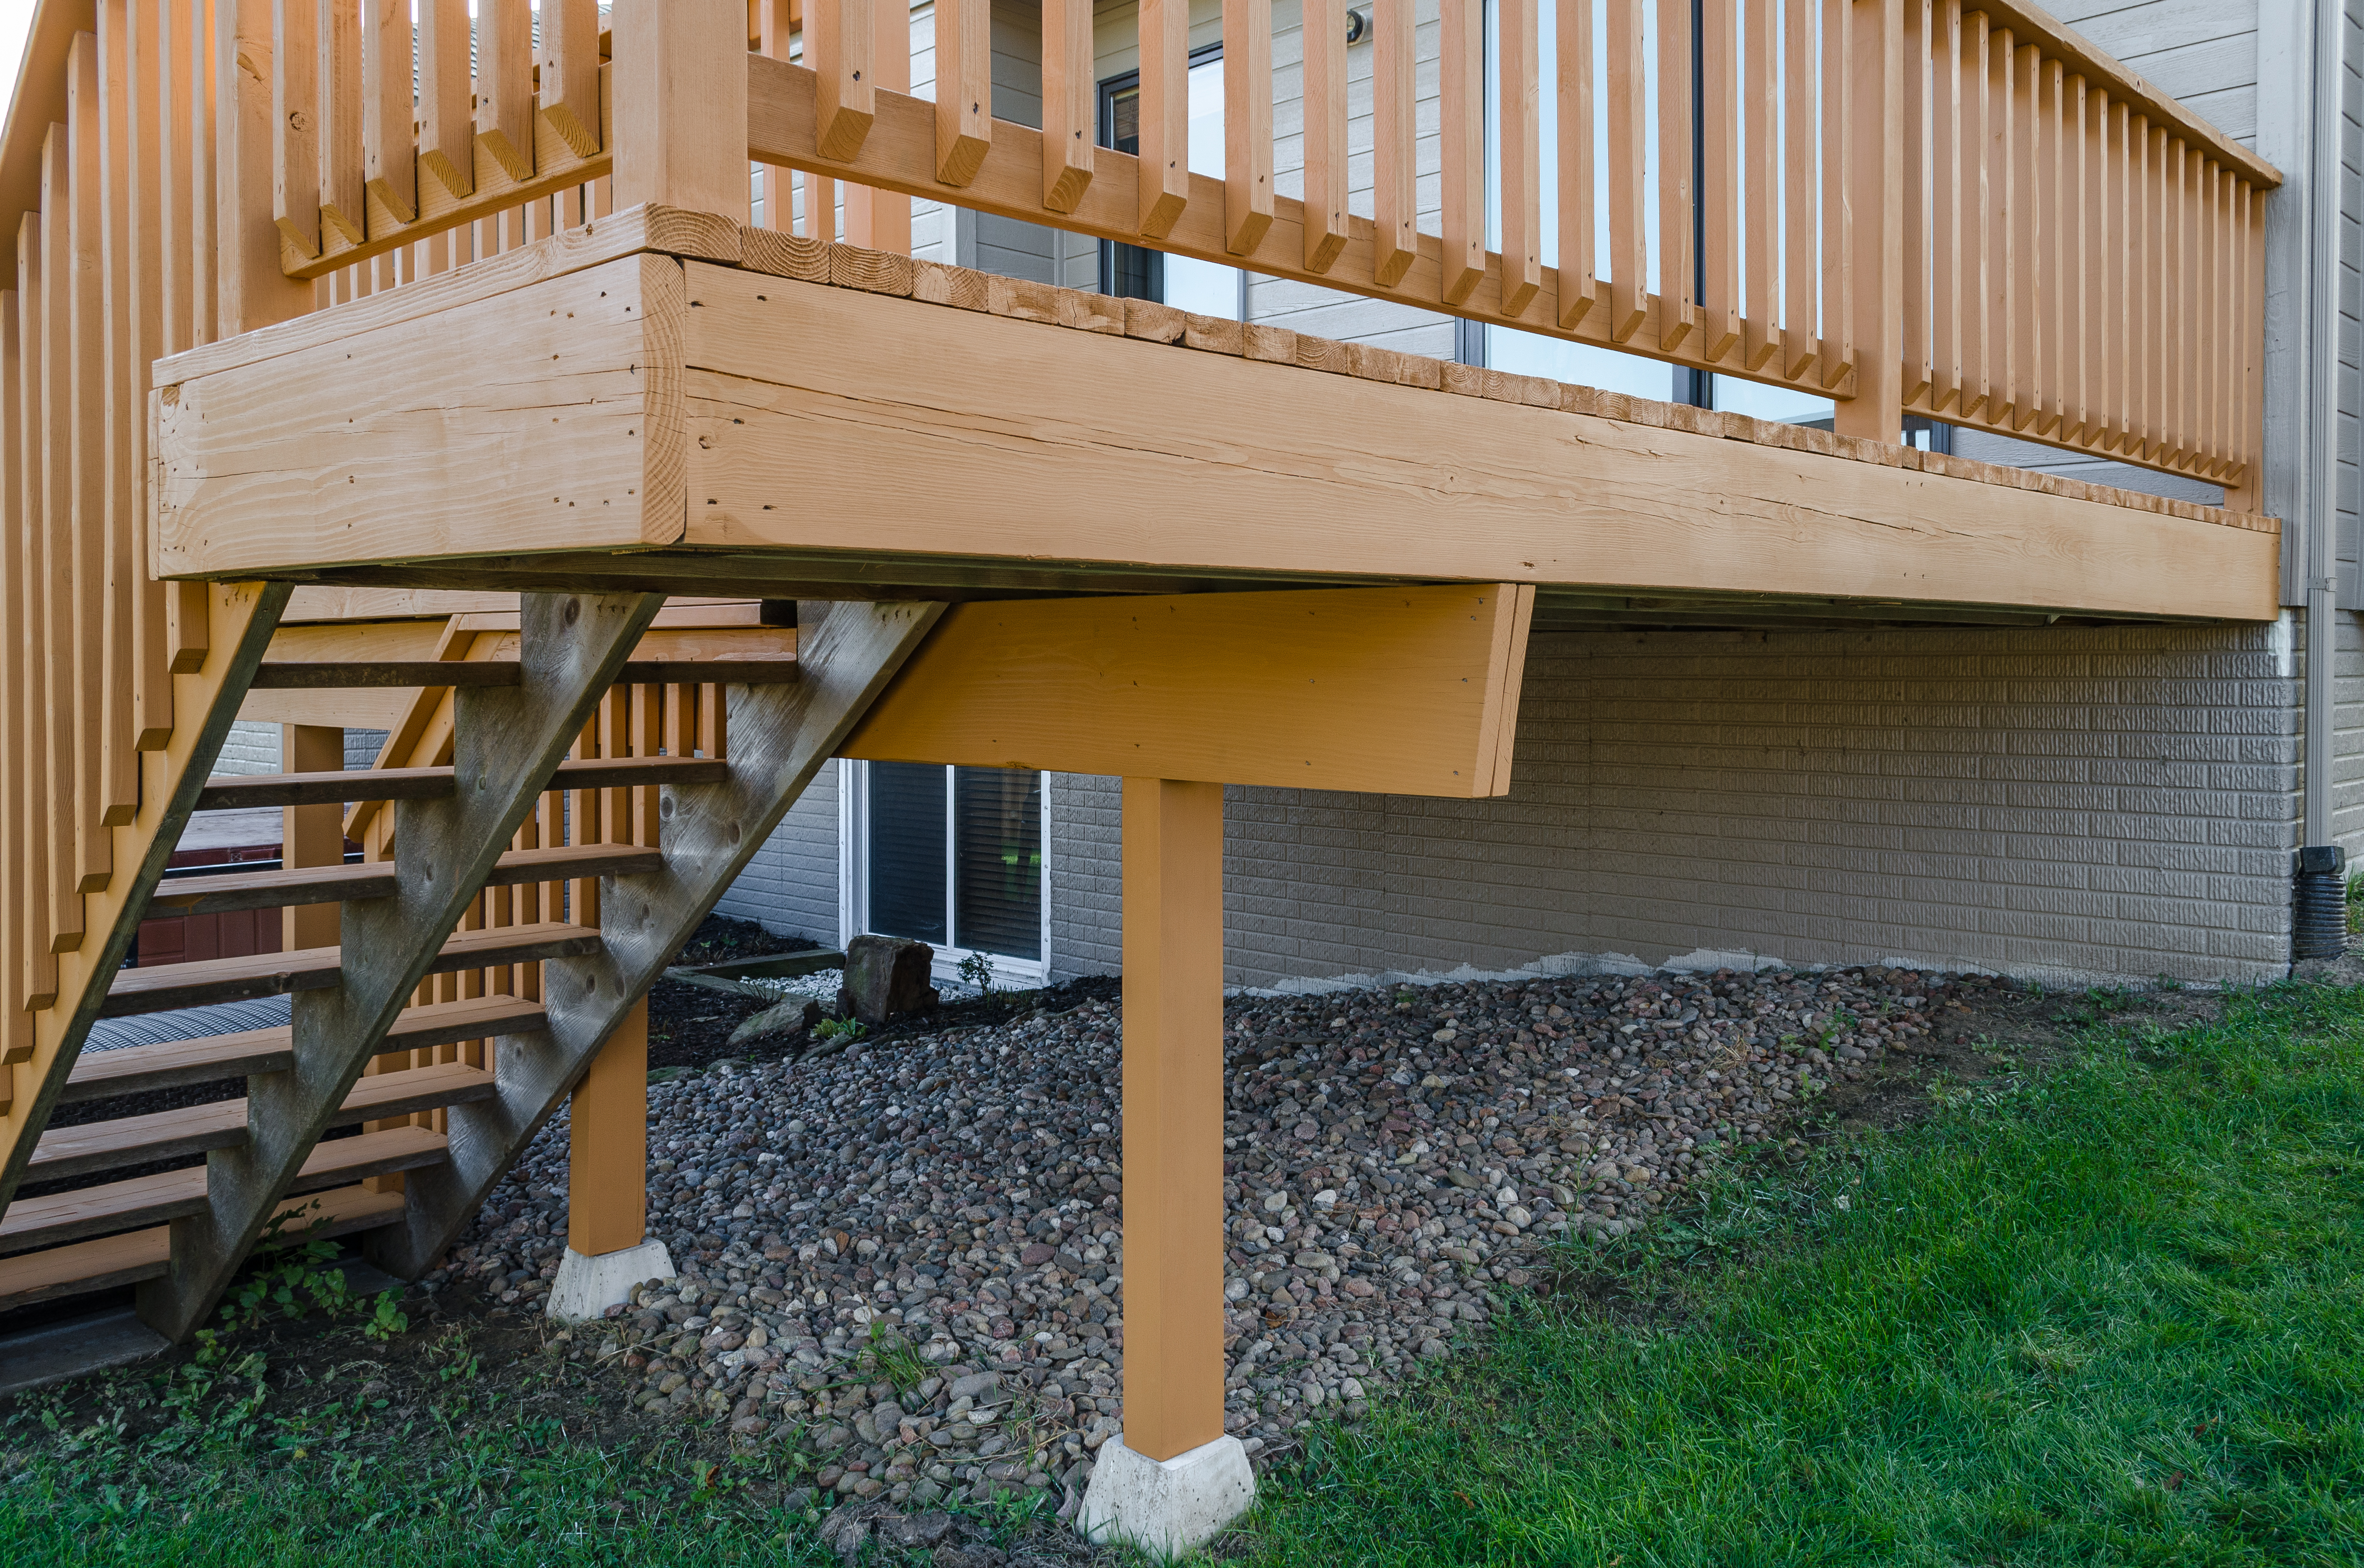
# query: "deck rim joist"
696,556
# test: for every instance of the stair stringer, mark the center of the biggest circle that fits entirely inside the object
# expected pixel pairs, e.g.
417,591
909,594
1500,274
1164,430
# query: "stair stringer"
241,617
509,742
780,736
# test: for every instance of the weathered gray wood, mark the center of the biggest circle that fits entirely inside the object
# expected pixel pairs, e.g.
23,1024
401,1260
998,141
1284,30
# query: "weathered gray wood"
508,744
336,674
233,791
168,986
780,736
113,944
226,892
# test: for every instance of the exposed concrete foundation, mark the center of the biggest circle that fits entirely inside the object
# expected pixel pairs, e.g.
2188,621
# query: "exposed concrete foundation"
1165,1506
585,1288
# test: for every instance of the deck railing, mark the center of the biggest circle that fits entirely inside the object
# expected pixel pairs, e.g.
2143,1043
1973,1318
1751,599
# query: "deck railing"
1957,211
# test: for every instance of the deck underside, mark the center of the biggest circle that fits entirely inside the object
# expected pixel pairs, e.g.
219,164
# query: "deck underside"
796,420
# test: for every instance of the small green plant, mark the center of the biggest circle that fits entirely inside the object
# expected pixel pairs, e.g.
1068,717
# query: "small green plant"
386,1317
976,970
895,1358
848,1029
291,1279
2356,902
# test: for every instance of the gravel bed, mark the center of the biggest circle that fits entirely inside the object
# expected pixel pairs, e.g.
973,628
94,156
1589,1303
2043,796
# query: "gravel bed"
905,1256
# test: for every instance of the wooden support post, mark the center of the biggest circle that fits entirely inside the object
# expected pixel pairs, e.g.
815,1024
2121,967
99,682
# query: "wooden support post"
1173,1115
310,835
608,1144
680,87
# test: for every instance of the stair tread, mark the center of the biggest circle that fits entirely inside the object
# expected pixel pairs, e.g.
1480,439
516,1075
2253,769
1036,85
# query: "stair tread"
229,792
99,1074
130,1256
151,1200
341,675
219,1124
165,985
222,892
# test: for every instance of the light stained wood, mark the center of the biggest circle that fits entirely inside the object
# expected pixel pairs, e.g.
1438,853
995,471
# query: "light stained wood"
839,37
680,134
310,835
1461,144
341,158
1269,689
389,152
608,1144
87,491
145,269
1840,230
1946,164
877,219
1395,229
296,122
1070,103
447,95
1164,164
1676,180
1917,303
298,491
1325,130
1173,870
570,72
505,108
964,89
1871,286
251,289
1629,262
1519,134
17,828
1247,124
1580,288
1801,339
1719,193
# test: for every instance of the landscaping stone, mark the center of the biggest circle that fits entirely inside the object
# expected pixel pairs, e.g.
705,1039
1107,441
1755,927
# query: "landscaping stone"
950,1198
887,980
778,1025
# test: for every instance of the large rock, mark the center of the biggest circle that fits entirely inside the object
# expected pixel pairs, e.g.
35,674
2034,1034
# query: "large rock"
780,1024
887,979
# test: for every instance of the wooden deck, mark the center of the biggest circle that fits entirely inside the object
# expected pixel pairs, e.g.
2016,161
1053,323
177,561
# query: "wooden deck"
683,406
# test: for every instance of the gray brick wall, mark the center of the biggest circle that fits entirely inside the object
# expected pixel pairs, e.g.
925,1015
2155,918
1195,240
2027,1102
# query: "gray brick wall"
791,882
1087,874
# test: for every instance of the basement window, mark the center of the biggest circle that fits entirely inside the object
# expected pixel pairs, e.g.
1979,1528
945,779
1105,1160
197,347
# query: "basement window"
953,857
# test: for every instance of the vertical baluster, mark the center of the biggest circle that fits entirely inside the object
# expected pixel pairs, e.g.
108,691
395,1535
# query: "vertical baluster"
1946,172
505,85
1980,183
1461,142
1520,133
28,546
296,122
1720,188
1917,300
1247,122
881,220
203,220
447,95
2102,235
1761,100
1838,157
2248,446
2048,379
2118,264
2143,325
1071,99
2004,198
1324,40
1677,254
1629,248
2185,161
1395,207
338,31
119,761
2025,311
1166,116
169,21
1580,288
2206,292
839,37
1801,276
147,258
570,72
779,180
820,207
387,155
964,85
16,1023
94,845
1871,174
2076,184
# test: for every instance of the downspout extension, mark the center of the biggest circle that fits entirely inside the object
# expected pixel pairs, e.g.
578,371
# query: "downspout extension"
2319,910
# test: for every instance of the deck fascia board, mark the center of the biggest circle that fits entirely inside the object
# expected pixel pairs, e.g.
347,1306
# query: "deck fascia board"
859,417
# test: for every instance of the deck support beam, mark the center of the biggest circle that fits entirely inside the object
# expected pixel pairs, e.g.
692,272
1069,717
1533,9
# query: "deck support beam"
310,835
607,1246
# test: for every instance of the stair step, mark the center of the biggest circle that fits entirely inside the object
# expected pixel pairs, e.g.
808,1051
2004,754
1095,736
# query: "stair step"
81,1267
225,892
325,674
152,1200
98,1075
220,1123
232,791
162,986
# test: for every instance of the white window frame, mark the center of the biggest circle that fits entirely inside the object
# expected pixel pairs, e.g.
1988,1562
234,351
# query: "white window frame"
854,881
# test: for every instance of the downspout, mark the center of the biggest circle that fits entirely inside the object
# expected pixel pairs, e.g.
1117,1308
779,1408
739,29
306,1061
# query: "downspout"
2319,926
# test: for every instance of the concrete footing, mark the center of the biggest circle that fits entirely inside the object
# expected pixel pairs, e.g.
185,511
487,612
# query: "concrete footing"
1165,1506
585,1288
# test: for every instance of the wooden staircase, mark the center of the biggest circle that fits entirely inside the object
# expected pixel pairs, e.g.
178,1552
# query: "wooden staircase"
549,820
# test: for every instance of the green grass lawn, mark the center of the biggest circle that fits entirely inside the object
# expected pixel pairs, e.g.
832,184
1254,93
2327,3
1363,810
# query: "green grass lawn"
2113,1314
